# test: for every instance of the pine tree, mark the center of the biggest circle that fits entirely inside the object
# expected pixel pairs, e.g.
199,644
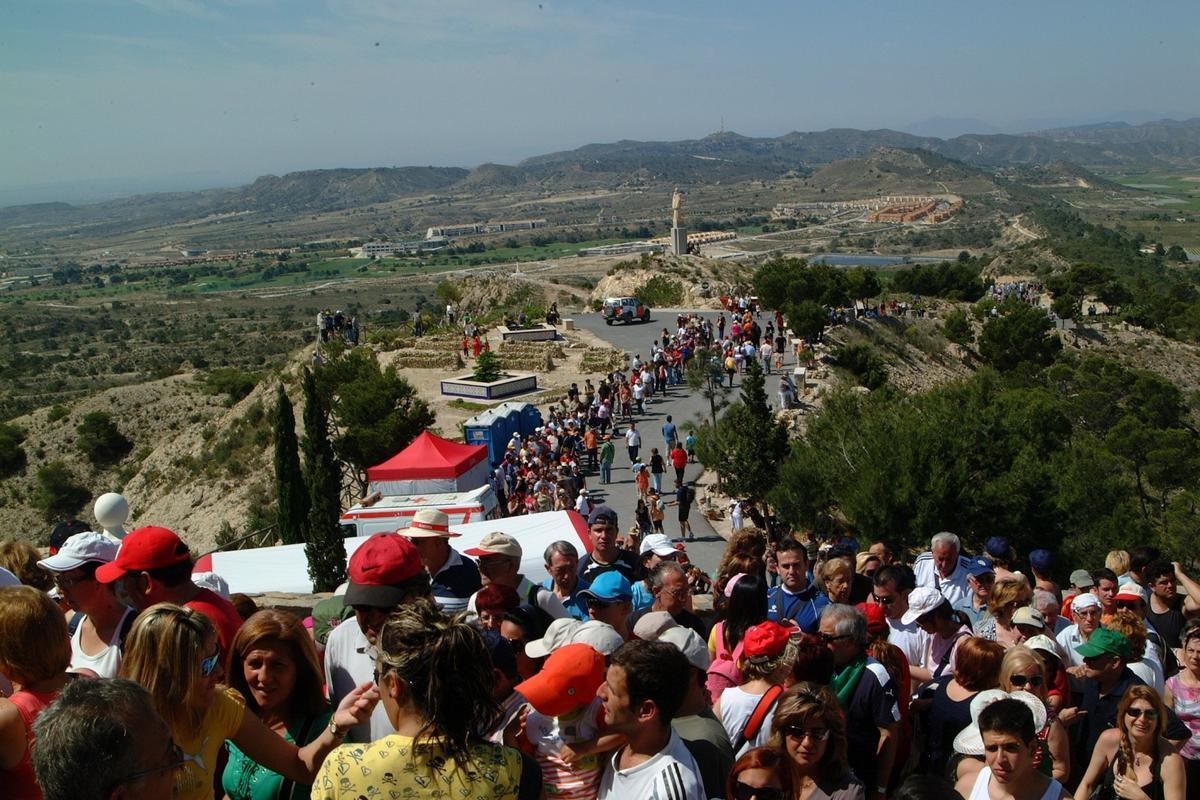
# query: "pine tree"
324,546
747,445
292,511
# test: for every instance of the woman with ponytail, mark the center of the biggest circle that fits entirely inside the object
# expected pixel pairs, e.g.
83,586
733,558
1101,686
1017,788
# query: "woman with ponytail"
435,677
1133,760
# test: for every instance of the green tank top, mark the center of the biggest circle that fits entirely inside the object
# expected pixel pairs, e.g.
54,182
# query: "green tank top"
245,779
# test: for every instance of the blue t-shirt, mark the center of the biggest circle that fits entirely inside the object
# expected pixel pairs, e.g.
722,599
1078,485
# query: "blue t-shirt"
805,608
642,597
668,431
574,604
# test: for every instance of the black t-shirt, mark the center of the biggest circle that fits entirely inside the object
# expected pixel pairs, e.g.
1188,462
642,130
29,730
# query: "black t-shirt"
873,705
625,563
656,464
683,496
1169,624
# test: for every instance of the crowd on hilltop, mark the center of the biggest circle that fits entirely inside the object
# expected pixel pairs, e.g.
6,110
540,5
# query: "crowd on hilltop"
835,669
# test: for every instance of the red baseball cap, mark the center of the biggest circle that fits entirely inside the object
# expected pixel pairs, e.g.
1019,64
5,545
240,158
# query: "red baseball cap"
381,562
876,619
569,678
765,640
145,549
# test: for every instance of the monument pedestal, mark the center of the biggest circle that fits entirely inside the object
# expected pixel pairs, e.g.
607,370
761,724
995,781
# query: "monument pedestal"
679,242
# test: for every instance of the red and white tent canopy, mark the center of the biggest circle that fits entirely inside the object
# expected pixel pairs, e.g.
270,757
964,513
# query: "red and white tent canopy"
430,465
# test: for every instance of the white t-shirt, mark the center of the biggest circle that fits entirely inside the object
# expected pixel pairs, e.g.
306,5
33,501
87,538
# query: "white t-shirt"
349,662
955,588
107,661
736,707
633,438
548,735
911,639
671,774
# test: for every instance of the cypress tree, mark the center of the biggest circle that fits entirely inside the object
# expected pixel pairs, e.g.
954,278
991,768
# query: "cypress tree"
323,546
292,511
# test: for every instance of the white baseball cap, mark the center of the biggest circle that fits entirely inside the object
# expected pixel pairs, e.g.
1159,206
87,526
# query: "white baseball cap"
558,633
82,548
690,644
921,601
600,635
659,544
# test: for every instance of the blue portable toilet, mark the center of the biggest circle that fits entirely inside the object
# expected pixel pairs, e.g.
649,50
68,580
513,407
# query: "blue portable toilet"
512,418
491,430
530,417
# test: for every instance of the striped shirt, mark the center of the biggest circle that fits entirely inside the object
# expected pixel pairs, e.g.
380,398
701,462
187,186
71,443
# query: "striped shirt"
671,774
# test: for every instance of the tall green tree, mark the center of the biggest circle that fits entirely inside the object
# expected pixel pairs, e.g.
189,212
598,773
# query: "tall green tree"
705,376
1021,334
377,412
290,489
323,546
746,446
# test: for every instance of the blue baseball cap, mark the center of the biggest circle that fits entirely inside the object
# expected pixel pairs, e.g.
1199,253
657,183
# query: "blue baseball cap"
998,546
609,587
980,565
1041,560
602,514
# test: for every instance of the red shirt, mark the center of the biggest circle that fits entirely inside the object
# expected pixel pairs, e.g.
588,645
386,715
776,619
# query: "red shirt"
222,613
679,458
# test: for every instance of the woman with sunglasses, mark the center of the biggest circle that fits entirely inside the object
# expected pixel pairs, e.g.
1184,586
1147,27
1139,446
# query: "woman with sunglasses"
756,776
35,652
173,653
1023,670
1133,760
810,734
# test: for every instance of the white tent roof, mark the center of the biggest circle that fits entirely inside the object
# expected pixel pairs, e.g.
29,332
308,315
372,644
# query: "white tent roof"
285,569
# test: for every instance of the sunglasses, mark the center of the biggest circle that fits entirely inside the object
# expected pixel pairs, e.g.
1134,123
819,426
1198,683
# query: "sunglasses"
829,638
799,733
883,601
1021,680
744,791
209,665
1135,713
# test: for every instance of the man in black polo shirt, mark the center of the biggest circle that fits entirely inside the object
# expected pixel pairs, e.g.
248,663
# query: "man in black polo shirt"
605,555
1106,680
454,578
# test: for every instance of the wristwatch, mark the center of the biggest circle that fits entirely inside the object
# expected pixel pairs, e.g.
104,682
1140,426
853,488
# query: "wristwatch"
333,730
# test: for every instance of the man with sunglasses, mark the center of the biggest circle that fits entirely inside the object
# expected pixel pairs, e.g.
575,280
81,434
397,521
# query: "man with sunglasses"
981,575
154,566
101,622
103,738
893,585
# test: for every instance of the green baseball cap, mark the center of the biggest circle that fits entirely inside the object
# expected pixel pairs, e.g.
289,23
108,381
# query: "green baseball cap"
1104,642
328,613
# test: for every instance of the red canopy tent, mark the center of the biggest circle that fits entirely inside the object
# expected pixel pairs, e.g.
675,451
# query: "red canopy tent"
431,464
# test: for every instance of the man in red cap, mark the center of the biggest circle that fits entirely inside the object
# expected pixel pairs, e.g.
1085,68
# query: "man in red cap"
155,566
385,573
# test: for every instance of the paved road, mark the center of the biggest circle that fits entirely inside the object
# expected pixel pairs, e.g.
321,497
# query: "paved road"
683,406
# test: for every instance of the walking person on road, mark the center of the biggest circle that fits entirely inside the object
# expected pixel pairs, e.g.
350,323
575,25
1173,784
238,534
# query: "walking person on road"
670,433
679,460
657,468
633,441
607,452
684,495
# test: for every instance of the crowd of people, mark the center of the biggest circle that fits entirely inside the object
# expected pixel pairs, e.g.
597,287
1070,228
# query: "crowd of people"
821,671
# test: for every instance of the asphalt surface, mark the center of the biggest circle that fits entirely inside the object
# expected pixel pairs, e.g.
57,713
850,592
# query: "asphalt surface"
685,407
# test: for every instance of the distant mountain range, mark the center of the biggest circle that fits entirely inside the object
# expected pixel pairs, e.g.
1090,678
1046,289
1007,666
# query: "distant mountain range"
720,157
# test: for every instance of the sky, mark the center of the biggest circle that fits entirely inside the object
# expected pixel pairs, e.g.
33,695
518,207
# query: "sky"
106,97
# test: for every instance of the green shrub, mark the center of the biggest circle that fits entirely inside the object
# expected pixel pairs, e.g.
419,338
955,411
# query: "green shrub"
660,291
58,495
57,412
864,363
12,455
100,440
229,381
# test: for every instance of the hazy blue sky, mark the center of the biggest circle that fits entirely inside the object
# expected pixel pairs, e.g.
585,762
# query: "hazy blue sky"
99,96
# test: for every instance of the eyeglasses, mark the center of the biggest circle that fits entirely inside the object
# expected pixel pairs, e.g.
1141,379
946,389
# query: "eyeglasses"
829,638
209,665
1148,713
65,582
883,601
799,733
678,594
744,791
1020,680
175,760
